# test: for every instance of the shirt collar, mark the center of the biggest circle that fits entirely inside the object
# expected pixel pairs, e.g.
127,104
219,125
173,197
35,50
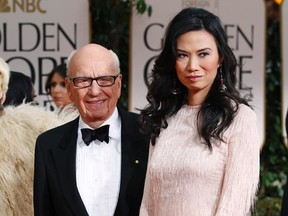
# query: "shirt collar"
114,122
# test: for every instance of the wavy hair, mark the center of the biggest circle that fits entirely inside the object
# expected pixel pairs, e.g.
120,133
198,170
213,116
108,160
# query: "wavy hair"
20,89
219,108
59,69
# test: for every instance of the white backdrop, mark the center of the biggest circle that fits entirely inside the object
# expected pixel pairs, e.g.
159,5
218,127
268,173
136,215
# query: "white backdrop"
244,22
35,36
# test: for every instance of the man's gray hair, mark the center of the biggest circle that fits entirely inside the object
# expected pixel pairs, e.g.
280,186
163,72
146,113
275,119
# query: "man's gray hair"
114,55
68,61
117,62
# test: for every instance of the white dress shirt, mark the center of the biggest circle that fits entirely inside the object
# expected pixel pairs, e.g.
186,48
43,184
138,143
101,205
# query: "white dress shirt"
98,169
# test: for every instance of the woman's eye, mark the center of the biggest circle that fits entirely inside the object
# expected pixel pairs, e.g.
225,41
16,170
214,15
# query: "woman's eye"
181,55
203,54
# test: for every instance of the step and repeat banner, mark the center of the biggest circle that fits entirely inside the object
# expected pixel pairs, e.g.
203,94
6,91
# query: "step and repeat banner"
284,12
37,35
246,36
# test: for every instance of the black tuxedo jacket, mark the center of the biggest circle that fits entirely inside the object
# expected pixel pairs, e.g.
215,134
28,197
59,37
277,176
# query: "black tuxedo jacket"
55,189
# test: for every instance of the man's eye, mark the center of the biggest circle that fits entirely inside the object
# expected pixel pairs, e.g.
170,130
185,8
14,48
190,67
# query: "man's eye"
104,79
83,80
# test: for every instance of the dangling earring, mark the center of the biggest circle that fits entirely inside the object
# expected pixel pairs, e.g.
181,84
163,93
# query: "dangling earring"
222,86
175,90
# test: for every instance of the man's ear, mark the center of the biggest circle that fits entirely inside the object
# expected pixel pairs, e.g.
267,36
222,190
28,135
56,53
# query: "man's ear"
68,87
3,99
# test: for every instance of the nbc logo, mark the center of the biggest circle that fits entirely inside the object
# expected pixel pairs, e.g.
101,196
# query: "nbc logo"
26,6
4,7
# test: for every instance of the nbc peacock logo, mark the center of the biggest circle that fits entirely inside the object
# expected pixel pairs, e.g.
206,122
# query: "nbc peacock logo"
27,6
4,7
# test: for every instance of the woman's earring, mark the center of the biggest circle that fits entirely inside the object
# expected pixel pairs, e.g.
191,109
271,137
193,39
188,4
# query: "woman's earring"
222,87
175,90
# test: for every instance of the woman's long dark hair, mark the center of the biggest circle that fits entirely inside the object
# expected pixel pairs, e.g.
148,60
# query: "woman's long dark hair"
59,69
20,89
219,108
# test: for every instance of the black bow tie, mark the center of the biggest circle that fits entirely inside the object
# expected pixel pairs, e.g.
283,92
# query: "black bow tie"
102,134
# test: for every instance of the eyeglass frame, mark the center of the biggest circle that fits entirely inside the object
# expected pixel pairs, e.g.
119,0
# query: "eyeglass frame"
72,79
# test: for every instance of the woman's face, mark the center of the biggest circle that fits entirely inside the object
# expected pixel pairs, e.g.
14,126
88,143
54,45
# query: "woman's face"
196,66
58,91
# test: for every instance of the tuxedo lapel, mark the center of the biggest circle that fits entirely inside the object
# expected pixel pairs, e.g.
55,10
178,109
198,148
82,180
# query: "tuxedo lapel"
134,154
127,154
65,160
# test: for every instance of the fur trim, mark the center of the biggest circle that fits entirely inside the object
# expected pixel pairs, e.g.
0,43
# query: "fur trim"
19,128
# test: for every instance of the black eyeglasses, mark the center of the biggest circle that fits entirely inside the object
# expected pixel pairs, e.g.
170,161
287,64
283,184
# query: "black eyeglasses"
102,81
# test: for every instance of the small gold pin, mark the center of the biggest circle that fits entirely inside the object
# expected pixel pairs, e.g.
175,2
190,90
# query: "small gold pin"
136,161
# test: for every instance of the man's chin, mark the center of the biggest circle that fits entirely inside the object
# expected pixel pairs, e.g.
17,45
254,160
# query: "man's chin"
95,115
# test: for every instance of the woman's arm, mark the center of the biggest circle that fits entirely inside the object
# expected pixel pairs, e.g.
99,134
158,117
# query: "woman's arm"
241,175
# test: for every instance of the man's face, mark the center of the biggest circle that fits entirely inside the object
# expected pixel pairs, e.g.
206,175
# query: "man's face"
95,104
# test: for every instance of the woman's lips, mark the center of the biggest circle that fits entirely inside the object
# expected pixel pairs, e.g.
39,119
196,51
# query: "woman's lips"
194,77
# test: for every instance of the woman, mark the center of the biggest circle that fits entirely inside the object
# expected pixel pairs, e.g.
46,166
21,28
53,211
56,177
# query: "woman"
55,86
204,158
19,127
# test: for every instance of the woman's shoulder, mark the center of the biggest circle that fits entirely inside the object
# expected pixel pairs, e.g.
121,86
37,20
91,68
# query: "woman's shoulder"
30,116
20,126
244,118
68,112
246,111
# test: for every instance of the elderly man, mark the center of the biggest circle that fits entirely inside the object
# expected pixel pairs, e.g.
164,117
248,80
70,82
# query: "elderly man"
95,164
